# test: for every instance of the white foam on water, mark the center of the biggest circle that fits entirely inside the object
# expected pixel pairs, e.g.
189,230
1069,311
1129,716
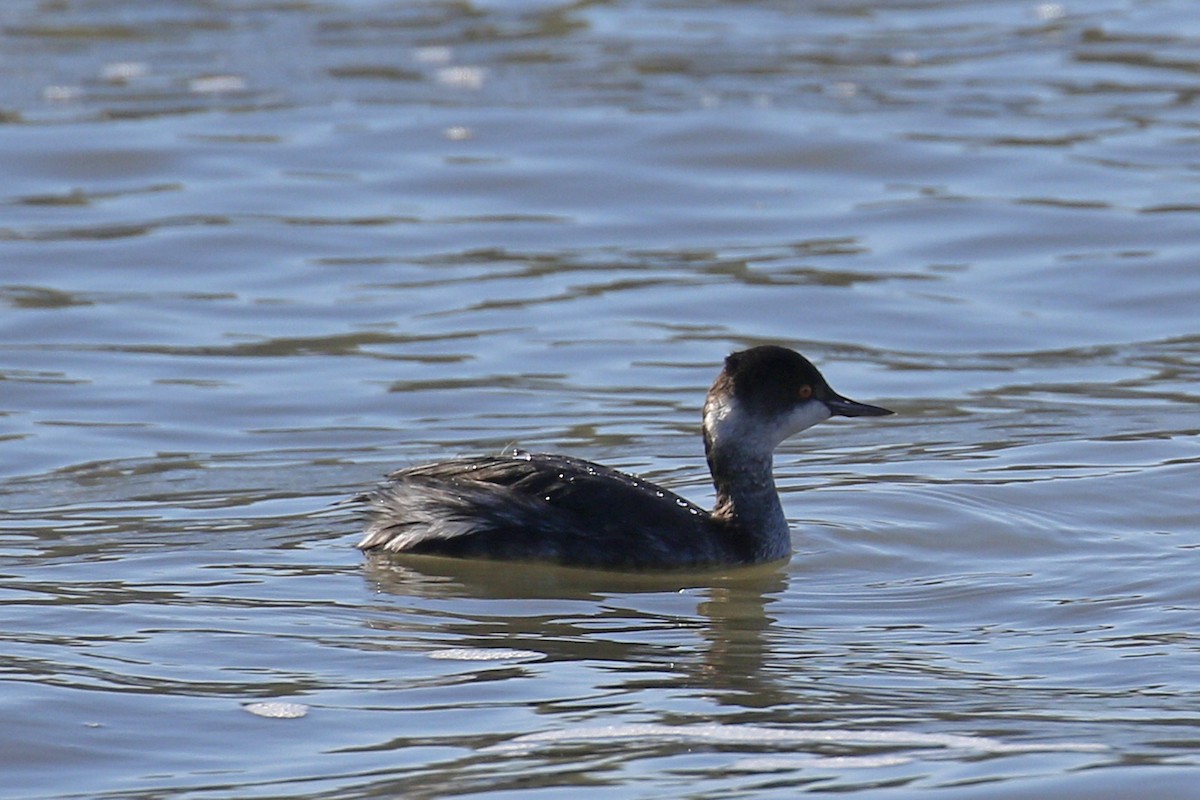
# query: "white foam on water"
786,763
277,710
780,737
486,654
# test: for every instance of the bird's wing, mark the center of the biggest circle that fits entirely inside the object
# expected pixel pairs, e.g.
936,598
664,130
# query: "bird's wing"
540,507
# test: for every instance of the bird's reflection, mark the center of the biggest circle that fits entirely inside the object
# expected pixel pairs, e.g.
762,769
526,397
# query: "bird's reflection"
616,618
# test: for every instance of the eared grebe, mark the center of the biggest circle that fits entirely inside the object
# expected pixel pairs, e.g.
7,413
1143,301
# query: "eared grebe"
535,507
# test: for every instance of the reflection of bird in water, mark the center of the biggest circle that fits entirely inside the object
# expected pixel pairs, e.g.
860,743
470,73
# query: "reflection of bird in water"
535,507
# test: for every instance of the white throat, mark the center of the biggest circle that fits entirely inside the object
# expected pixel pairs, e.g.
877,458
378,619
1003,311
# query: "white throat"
732,429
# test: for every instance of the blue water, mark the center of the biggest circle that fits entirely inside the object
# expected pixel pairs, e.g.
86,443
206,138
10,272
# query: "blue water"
253,256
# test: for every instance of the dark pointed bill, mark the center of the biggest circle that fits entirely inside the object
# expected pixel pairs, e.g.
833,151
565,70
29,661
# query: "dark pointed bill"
845,407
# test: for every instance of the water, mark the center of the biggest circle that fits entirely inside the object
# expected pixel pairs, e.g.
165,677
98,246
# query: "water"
252,256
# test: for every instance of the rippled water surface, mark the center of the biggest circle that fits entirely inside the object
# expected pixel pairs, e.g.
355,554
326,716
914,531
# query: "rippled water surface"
254,255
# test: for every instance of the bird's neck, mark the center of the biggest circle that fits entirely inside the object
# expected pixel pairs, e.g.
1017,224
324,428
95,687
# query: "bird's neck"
748,503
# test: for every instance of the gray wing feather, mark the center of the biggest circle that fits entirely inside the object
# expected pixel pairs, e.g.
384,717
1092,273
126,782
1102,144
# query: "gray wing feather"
538,507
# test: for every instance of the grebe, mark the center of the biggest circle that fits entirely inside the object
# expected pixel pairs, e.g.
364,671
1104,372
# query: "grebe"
537,507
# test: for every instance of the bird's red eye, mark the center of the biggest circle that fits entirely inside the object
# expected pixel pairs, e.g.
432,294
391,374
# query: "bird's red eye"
805,392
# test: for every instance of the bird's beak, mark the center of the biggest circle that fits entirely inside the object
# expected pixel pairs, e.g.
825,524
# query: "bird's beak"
845,407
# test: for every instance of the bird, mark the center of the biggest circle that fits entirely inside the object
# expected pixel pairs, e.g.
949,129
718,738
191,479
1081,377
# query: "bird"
523,506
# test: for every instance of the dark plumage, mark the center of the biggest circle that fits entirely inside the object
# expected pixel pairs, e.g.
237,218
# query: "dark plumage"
534,506
526,506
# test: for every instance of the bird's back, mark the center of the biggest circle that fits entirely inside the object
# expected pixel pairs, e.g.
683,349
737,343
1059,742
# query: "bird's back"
527,506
